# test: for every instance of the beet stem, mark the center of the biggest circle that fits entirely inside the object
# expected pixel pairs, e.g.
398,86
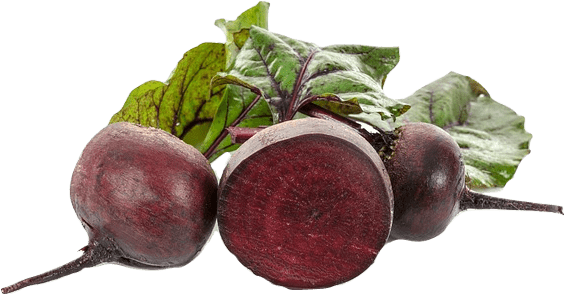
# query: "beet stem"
208,154
293,103
240,135
316,111
475,200
377,140
94,254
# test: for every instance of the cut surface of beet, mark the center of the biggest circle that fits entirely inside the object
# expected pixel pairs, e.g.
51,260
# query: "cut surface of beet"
305,204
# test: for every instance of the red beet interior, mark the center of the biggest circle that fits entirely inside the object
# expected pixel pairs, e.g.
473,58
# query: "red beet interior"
311,211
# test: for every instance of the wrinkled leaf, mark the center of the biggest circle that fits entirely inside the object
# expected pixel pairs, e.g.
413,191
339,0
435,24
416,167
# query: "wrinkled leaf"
493,142
185,105
492,137
232,106
292,73
237,31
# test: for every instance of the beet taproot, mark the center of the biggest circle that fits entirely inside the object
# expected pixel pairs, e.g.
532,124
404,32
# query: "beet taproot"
305,204
428,181
146,199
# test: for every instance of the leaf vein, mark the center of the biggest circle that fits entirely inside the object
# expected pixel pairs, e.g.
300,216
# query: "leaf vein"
431,115
298,86
270,76
183,88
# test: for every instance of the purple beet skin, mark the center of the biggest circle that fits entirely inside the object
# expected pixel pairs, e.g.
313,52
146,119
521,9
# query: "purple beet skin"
428,179
146,199
305,204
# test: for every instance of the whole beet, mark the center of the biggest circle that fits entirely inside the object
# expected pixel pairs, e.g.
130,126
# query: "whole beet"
428,182
145,198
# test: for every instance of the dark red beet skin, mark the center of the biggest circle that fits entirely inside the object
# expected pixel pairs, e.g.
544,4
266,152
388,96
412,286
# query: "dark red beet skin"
146,199
305,204
161,190
427,175
428,180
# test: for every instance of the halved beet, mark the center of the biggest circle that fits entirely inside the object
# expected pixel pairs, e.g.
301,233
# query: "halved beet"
305,204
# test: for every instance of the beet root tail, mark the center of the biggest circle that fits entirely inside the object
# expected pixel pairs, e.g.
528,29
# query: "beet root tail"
475,200
94,254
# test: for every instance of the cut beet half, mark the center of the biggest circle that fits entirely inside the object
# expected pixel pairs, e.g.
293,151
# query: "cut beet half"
305,204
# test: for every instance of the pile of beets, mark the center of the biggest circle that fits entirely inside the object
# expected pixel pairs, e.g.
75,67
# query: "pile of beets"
306,203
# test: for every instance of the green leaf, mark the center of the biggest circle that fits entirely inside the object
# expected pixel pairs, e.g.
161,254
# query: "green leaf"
292,73
378,61
185,105
493,142
492,137
232,106
238,96
237,31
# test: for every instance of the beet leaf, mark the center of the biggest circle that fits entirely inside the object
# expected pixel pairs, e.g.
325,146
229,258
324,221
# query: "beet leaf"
492,137
186,104
291,73
237,31
183,106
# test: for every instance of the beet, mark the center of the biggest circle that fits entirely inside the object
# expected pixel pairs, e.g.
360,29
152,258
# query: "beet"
428,181
305,204
146,199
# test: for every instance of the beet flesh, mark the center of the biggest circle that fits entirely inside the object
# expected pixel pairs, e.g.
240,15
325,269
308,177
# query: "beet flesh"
428,180
145,198
305,204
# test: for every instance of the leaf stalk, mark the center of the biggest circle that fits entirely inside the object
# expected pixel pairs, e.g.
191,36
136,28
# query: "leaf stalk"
293,103
241,135
377,140
208,154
